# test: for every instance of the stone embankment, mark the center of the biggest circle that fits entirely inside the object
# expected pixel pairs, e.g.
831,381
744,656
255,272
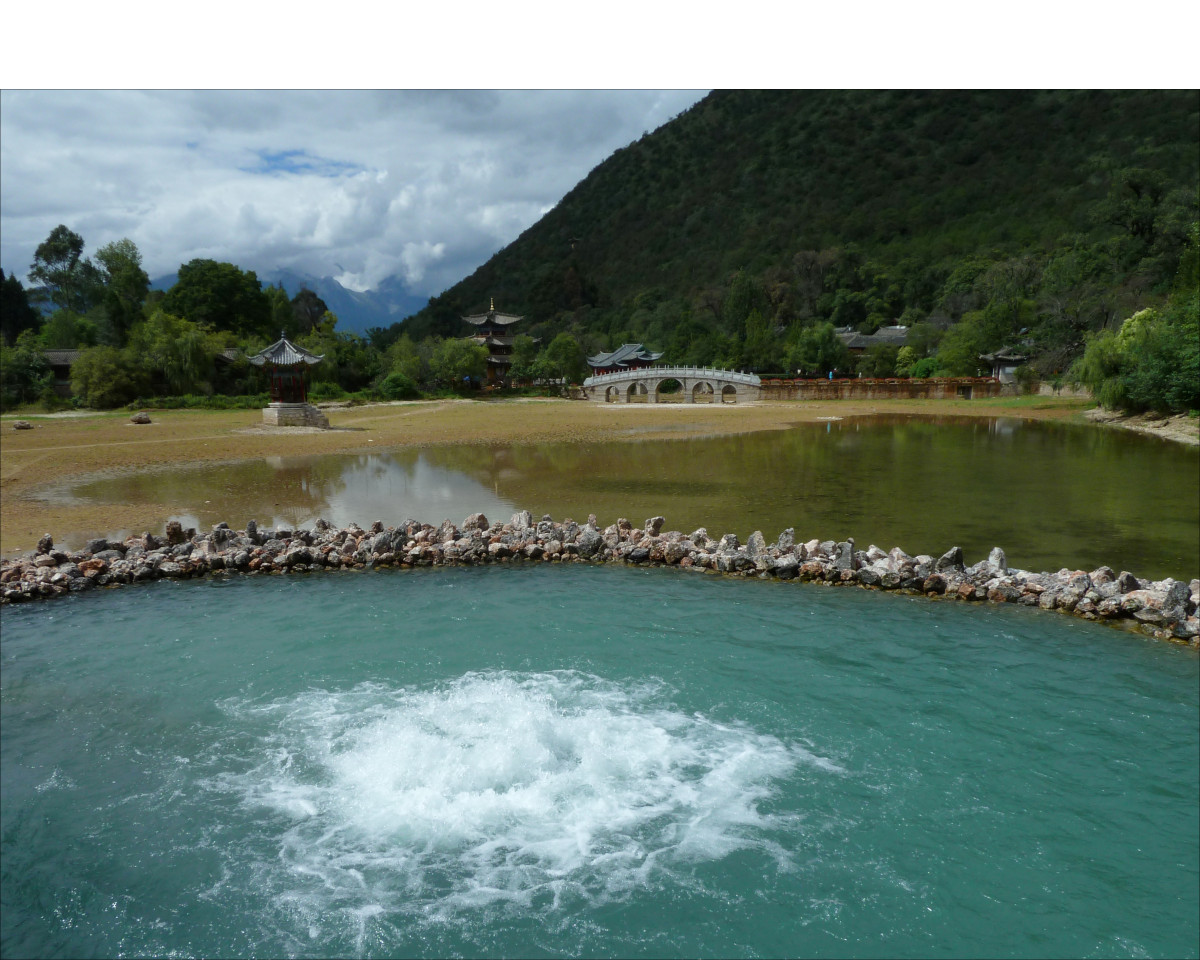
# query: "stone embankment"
1165,608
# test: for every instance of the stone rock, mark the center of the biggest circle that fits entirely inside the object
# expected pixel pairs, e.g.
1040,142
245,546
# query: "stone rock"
787,540
998,560
1127,582
522,520
756,546
1187,629
46,544
952,559
844,556
174,532
1103,575
476,521
22,425
654,525
140,417
787,566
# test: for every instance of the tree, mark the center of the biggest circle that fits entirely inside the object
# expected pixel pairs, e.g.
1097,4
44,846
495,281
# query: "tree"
524,356
410,359
761,349
1151,363
223,297
105,377
307,310
176,352
958,355
879,360
818,350
16,314
126,285
562,360
24,372
66,330
69,281
457,360
282,318
906,358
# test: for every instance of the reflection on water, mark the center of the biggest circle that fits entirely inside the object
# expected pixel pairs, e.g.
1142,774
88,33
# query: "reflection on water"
1051,494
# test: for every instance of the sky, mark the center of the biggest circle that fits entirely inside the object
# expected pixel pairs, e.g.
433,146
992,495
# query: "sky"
358,185
367,141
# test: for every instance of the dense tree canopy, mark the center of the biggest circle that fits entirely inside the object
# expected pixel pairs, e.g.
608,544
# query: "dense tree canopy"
16,312
222,297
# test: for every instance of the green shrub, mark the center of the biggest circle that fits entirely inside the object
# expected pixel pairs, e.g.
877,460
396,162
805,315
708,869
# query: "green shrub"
1151,363
397,386
105,377
326,390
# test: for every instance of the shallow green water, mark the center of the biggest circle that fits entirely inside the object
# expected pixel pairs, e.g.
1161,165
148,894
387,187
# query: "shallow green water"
565,760
1052,495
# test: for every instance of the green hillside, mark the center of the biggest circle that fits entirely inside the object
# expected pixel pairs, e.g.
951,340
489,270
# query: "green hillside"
735,231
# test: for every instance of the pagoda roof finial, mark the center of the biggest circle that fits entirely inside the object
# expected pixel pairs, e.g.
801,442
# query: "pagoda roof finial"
492,301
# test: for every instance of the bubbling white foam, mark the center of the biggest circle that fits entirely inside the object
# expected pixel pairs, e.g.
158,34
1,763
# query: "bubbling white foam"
500,788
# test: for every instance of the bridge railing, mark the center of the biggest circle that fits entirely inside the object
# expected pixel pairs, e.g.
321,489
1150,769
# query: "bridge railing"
678,373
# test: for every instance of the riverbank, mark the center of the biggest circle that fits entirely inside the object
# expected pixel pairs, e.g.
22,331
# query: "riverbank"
1165,609
59,448
1180,428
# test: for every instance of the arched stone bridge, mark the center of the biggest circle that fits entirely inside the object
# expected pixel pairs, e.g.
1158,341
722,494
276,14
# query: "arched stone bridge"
698,385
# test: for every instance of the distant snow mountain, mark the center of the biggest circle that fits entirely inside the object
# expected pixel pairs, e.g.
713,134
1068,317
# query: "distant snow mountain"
357,312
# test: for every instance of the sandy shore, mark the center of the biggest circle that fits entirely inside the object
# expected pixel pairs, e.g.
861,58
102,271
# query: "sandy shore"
61,447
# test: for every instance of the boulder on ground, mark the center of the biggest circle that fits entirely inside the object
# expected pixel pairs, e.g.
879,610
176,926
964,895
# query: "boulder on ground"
140,417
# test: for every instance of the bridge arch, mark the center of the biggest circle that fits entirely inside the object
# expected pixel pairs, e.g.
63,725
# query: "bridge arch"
697,384
667,382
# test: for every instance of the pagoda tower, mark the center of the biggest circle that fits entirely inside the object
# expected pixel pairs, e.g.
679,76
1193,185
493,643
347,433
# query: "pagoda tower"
493,330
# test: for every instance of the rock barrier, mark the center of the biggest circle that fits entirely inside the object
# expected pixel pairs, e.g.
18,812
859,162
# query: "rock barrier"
1166,609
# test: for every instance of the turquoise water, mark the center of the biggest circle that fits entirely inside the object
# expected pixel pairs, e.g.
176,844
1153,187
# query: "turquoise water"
568,760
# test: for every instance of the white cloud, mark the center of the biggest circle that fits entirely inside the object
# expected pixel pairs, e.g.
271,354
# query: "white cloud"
360,184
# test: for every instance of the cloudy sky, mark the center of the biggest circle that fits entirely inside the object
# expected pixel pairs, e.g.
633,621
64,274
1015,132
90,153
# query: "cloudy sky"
359,185
427,183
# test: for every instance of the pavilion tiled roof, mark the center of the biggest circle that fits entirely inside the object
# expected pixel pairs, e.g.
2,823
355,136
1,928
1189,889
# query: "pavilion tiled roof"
60,358
284,353
504,319
623,355
895,335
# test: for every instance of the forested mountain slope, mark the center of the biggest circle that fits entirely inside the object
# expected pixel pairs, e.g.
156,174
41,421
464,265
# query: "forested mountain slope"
757,215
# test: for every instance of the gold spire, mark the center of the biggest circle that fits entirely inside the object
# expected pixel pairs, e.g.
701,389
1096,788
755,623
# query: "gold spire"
492,300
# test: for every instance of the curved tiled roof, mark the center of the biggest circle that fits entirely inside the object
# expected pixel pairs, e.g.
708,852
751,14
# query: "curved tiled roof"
284,353
622,355
504,319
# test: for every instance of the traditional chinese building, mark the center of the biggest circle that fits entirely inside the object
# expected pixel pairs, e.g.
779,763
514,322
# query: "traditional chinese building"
493,330
286,365
628,356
